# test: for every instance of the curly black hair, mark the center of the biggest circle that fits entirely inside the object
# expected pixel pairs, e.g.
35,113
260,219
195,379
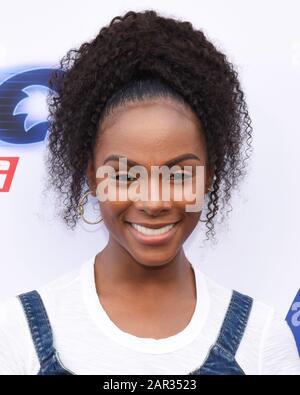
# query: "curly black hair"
180,62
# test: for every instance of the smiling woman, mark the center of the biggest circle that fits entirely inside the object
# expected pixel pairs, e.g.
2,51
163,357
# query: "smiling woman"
154,91
166,130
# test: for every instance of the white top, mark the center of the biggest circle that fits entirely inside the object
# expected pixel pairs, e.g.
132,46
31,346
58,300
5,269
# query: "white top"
88,342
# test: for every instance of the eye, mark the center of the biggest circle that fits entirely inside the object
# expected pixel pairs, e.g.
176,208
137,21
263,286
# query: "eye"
123,177
180,176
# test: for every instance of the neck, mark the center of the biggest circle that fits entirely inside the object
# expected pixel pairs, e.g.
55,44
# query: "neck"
124,274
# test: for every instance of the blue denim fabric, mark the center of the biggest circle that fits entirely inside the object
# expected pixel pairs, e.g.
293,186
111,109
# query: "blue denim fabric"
221,356
41,334
220,359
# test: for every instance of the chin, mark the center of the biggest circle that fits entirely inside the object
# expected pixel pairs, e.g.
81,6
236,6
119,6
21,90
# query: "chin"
153,258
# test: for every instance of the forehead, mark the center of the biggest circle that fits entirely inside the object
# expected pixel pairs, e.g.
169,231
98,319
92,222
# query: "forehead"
164,107
157,127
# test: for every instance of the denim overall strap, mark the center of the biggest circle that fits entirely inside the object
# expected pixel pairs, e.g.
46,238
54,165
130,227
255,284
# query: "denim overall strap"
235,322
41,333
221,357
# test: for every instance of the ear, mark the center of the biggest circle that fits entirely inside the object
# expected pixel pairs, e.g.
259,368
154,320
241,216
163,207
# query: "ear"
91,177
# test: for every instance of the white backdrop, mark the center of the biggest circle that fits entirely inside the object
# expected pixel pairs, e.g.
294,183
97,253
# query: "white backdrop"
258,253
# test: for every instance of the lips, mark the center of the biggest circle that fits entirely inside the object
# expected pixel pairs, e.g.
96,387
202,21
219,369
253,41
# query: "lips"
153,226
152,231
152,239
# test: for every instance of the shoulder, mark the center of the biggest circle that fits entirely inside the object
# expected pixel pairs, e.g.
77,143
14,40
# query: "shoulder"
10,307
16,349
279,353
17,353
61,284
268,345
221,297
63,295
269,336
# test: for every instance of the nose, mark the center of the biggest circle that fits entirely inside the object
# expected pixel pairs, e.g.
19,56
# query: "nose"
153,208
154,203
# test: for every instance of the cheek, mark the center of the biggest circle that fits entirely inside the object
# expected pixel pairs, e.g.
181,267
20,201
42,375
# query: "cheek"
190,197
112,212
190,218
190,223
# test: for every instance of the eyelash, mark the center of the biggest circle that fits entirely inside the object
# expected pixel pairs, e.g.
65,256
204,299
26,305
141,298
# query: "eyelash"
186,176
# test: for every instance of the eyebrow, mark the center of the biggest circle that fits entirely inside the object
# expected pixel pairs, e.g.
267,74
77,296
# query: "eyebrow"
170,162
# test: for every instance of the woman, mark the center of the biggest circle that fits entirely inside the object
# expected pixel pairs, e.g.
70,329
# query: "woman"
153,91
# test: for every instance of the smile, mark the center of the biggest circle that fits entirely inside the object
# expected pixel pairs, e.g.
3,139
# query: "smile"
153,236
151,231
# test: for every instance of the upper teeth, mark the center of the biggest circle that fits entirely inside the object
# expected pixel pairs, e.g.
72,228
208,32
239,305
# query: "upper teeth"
151,231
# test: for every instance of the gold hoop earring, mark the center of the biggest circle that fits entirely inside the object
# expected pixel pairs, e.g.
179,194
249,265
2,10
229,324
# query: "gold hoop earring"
81,204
